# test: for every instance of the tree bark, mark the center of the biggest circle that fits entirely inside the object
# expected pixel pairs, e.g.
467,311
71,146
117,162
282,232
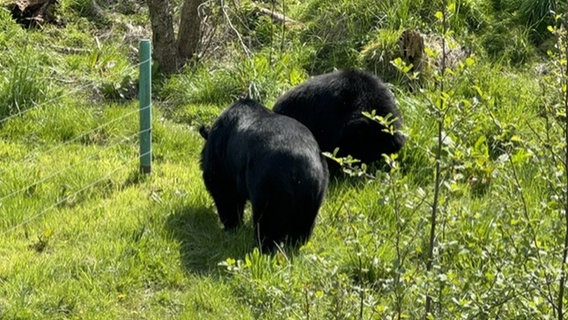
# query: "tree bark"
189,30
163,39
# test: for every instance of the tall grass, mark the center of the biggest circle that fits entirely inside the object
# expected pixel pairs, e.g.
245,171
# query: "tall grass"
24,86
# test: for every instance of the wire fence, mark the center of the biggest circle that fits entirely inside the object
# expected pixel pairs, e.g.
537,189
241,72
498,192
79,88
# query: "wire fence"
23,214
67,93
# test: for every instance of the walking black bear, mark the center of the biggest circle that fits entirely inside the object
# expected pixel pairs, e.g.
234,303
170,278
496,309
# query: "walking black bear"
331,106
272,160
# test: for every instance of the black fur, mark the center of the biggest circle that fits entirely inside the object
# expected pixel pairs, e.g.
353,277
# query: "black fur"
330,105
272,160
204,132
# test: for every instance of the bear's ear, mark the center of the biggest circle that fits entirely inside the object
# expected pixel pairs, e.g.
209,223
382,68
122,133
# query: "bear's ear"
204,132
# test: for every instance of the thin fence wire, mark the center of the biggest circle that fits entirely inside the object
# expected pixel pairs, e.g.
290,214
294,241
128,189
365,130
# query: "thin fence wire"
58,97
61,201
82,135
43,103
82,161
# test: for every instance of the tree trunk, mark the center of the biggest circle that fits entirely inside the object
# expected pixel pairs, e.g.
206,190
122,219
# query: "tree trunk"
189,30
163,39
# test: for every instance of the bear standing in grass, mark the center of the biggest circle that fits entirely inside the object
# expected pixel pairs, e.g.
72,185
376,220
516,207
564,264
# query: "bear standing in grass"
331,106
273,161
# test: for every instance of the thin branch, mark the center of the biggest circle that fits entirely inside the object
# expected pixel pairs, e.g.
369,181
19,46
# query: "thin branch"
237,33
438,170
565,249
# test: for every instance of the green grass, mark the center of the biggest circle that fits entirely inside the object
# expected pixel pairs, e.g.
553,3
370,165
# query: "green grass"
84,236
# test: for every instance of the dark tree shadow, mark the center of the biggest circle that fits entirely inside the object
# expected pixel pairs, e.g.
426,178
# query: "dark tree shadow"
204,243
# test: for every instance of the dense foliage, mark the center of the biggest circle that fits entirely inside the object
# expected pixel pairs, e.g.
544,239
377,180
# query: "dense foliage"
469,222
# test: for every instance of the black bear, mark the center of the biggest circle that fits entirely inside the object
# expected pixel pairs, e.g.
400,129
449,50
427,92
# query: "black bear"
252,153
331,106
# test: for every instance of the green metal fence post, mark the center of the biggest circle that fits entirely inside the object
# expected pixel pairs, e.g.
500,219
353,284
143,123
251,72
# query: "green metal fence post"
145,95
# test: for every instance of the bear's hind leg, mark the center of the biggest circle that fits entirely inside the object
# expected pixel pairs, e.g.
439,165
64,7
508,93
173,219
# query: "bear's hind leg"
230,204
231,211
269,227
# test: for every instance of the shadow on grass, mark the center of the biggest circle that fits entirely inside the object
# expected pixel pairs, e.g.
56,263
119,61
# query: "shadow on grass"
204,243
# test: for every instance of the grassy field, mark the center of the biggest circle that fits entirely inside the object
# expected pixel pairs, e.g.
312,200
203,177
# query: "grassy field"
84,236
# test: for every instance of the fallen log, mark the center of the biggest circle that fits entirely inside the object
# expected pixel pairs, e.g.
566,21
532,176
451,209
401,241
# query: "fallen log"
277,16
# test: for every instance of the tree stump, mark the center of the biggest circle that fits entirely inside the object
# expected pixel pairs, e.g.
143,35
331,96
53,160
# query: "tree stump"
411,46
34,13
